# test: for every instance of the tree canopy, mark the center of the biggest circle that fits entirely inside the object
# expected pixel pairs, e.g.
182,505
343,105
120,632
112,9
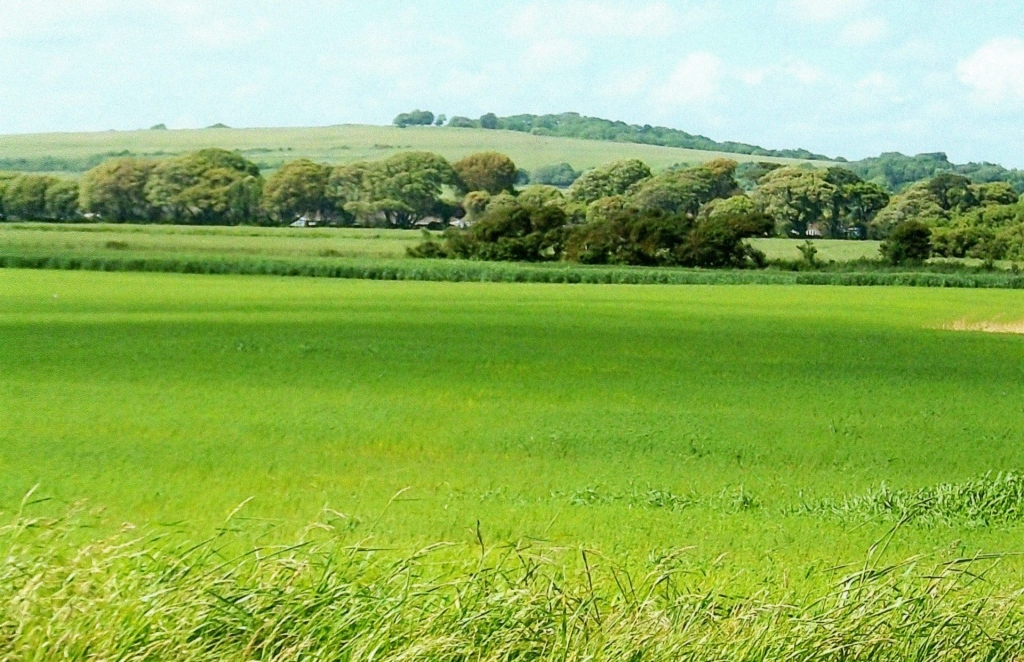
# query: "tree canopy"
116,190
298,188
488,171
415,118
211,186
615,178
397,192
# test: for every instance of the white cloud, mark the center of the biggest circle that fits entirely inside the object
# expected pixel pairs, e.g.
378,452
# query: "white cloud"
695,79
555,54
595,18
822,11
996,72
866,31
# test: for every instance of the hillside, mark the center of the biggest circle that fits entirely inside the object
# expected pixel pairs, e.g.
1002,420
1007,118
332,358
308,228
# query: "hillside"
574,125
77,152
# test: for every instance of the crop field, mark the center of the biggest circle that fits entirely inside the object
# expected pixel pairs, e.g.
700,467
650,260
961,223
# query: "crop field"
755,438
538,410
270,148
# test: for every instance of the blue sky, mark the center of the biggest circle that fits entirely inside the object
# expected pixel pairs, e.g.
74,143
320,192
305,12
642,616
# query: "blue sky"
842,77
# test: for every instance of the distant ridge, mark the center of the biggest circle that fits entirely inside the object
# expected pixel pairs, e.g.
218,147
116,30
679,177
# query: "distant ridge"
574,125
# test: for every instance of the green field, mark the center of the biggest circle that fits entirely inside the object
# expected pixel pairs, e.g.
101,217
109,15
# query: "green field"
172,398
225,242
270,148
740,434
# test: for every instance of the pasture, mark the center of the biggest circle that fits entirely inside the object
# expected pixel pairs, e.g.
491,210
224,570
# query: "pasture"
272,147
544,412
301,243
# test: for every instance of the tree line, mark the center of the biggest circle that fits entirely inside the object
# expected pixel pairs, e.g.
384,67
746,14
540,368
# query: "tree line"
621,212
574,125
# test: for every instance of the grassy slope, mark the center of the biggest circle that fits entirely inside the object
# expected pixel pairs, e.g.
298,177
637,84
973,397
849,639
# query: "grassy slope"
345,144
172,398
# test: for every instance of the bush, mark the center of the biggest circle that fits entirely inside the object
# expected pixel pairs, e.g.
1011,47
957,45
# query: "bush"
562,175
909,243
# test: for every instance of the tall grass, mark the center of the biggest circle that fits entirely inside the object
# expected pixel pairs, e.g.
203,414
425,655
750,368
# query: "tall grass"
463,271
991,500
142,597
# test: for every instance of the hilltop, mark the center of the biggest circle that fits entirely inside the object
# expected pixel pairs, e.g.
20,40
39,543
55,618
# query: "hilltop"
272,147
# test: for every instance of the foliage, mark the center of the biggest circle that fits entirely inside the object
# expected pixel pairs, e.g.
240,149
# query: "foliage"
749,174
796,198
463,123
488,171
561,175
415,118
62,200
909,243
615,178
895,171
685,191
299,188
24,197
539,195
475,204
208,187
116,190
398,191
574,125
489,121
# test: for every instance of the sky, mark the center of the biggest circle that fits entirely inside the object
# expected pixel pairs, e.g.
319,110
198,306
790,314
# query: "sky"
850,78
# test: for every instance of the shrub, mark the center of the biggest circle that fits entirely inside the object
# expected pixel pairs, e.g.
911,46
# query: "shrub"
909,243
562,175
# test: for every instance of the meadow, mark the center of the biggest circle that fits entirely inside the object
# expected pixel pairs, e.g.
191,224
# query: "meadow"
752,438
213,241
272,147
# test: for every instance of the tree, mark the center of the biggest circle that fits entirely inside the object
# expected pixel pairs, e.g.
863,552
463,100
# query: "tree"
541,196
62,200
685,191
862,201
25,197
415,118
612,179
463,123
909,243
116,190
997,193
5,181
298,188
796,198
208,187
488,171
441,119
561,175
489,121
952,191
398,191
475,203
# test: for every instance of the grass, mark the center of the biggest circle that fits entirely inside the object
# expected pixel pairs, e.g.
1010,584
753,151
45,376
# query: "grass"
694,472
133,598
169,398
828,249
381,255
271,147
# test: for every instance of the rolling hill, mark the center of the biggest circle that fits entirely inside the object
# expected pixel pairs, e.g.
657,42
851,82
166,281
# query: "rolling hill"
271,147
